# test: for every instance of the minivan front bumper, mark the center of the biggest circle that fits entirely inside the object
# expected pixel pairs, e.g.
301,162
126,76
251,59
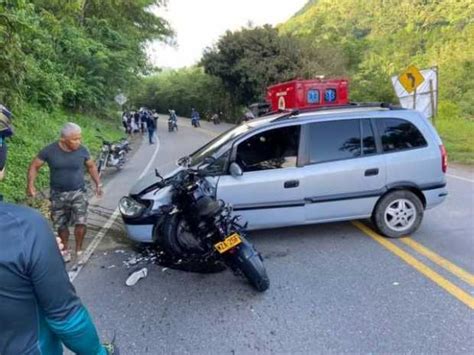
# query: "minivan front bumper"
142,233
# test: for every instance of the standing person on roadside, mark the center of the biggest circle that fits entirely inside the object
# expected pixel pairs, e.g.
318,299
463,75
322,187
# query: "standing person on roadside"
136,122
125,119
195,118
143,119
67,159
151,127
155,116
39,308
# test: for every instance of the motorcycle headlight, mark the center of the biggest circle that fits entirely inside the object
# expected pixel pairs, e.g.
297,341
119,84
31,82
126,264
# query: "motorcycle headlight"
129,207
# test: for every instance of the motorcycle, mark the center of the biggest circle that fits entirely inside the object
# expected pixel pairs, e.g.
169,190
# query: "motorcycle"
197,226
195,122
215,119
172,125
112,154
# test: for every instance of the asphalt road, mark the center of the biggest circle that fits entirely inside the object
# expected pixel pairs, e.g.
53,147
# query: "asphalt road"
336,288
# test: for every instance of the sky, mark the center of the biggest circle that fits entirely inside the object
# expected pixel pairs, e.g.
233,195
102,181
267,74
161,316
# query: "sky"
199,24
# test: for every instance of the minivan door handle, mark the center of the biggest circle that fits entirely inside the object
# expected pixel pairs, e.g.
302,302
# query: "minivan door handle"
291,183
371,172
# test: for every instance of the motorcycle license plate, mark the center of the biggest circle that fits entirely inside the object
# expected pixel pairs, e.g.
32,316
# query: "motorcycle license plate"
228,243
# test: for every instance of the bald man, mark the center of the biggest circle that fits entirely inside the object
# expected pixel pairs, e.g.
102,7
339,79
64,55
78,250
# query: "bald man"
67,159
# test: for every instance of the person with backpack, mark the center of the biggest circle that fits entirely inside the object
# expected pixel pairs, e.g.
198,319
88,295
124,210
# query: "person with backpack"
39,308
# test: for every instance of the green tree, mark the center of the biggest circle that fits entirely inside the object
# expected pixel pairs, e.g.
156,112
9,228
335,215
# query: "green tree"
76,54
249,60
184,89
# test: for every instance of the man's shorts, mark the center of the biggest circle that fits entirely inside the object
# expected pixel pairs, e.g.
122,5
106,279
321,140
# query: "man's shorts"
68,208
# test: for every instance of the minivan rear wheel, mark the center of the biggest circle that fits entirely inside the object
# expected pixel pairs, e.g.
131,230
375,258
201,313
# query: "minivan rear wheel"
398,214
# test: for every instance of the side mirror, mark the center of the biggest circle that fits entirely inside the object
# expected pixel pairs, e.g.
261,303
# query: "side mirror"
235,170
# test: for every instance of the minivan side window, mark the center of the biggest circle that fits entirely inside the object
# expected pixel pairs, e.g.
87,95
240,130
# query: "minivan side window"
398,134
273,149
368,138
334,140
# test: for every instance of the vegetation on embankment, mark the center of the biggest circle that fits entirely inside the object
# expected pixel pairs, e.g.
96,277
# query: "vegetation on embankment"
65,61
34,129
457,134
381,38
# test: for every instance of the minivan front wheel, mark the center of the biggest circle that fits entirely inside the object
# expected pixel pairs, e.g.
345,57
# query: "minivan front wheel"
398,214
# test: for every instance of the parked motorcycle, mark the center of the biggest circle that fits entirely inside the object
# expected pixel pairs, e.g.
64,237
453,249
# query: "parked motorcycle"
112,154
195,225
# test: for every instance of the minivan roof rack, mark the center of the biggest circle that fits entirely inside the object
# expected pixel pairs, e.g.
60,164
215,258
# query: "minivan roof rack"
297,111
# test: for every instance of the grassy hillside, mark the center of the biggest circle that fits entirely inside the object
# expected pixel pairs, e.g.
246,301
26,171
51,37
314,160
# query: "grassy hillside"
33,130
381,38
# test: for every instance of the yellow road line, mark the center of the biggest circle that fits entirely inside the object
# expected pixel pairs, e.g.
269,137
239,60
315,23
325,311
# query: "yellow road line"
462,296
439,260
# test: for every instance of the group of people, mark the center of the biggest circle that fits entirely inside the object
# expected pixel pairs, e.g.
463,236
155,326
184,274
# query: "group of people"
39,308
140,121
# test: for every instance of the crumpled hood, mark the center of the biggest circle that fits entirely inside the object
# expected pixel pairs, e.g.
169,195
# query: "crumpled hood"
148,180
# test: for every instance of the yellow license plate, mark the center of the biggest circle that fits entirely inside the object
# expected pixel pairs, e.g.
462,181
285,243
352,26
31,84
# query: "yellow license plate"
228,243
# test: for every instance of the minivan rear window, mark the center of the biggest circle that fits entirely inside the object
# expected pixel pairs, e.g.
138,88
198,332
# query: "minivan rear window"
398,134
334,140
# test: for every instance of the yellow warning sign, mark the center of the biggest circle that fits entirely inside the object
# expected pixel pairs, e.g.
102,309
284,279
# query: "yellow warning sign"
411,78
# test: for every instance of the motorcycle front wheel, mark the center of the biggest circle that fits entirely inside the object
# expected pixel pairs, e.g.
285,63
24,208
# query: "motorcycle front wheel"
183,247
248,261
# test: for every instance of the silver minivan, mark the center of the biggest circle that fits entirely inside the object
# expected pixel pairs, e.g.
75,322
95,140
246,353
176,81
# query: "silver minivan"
298,168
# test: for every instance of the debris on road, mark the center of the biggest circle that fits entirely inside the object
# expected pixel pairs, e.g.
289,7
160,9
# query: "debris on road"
137,275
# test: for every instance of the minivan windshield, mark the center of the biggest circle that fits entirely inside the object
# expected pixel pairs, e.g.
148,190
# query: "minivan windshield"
217,143
214,145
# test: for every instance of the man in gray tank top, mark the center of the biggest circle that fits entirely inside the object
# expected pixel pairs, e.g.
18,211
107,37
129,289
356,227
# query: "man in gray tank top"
67,160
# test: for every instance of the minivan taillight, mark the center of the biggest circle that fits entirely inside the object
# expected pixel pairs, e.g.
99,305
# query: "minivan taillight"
444,158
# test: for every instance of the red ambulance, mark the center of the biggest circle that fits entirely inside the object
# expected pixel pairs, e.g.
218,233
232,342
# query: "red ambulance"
302,94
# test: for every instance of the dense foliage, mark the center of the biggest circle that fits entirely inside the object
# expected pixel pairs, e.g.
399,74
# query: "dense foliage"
249,60
74,54
183,90
236,72
381,38
34,129
65,61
